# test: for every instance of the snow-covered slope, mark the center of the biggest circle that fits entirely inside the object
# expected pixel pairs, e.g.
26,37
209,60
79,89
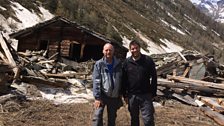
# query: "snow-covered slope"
26,18
213,8
29,18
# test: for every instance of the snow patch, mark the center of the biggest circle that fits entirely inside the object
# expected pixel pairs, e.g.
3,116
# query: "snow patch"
170,46
27,17
173,27
2,8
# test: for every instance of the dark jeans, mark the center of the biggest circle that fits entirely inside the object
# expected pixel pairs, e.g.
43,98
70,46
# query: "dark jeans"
144,104
113,104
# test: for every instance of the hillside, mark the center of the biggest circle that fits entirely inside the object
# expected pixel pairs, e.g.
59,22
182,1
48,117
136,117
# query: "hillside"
212,8
161,25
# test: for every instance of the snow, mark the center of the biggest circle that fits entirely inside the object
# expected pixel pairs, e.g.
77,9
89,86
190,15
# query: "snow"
153,48
193,21
2,8
61,96
196,1
216,32
28,18
173,27
214,10
170,46
4,23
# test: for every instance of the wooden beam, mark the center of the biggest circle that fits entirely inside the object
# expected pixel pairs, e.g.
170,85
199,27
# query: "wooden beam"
3,57
186,99
186,71
217,117
7,51
9,56
189,86
196,82
212,104
38,81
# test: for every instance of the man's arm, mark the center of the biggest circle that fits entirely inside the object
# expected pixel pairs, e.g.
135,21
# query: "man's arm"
96,82
153,79
124,82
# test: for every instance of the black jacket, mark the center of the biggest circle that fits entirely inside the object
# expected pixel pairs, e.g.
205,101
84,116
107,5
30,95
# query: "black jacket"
139,77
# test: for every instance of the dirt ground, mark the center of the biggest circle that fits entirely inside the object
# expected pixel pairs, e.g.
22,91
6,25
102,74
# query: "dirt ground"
45,113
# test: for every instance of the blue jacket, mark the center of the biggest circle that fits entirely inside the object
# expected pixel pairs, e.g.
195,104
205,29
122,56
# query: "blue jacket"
102,79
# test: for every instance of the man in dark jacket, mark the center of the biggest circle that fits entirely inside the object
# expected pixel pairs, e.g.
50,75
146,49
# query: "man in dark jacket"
139,85
107,78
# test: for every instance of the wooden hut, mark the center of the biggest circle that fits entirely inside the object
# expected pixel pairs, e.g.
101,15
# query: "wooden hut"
65,38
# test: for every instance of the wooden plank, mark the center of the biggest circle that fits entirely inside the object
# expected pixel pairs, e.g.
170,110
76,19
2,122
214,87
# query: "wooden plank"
3,57
186,71
189,86
66,75
212,103
182,56
186,99
196,82
219,118
7,51
38,81
10,57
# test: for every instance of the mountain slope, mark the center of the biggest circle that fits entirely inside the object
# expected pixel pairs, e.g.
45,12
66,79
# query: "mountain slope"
213,8
161,25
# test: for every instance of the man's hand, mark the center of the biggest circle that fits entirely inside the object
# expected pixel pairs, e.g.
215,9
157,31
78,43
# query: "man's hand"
97,103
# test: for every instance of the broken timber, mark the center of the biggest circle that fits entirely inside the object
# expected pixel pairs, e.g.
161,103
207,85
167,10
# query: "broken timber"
187,99
9,57
38,81
189,86
212,104
219,118
196,82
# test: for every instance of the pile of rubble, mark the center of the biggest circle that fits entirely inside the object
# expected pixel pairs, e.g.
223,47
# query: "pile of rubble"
64,82
194,79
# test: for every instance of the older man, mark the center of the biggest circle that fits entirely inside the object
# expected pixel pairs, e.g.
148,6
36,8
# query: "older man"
107,76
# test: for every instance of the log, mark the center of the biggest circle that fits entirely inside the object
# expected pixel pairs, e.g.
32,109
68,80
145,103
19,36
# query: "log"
66,75
39,81
189,86
212,104
9,57
217,117
196,82
7,51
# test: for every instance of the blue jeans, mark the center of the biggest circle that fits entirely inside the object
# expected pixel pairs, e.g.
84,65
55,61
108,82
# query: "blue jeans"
144,104
113,104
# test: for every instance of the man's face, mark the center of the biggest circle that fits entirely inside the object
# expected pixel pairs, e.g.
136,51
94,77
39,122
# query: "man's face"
135,50
108,51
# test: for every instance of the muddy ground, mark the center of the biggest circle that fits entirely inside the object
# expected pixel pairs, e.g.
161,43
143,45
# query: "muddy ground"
45,113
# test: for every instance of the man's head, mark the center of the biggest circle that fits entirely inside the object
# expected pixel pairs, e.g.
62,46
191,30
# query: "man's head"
108,51
134,48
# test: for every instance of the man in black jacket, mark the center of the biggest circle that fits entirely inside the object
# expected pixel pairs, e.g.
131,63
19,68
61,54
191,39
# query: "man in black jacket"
139,85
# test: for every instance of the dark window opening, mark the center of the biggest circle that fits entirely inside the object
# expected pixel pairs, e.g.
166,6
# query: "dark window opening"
43,45
92,52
